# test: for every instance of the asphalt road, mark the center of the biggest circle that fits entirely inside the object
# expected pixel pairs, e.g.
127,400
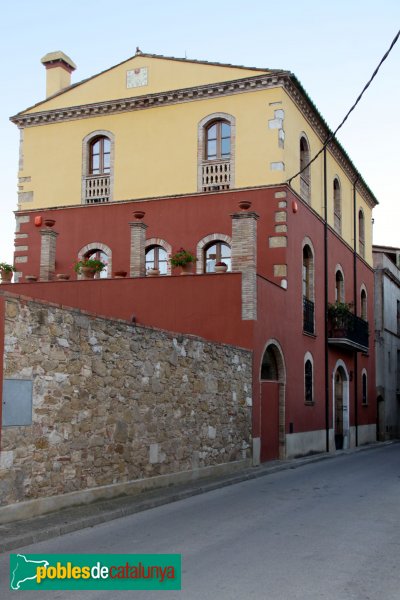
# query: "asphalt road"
329,531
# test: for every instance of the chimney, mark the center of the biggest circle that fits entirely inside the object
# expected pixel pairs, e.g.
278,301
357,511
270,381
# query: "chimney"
58,71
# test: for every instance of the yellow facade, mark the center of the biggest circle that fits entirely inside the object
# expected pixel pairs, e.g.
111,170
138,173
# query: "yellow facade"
156,149
162,75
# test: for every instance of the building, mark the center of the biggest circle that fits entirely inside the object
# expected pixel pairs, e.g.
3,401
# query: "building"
160,153
387,332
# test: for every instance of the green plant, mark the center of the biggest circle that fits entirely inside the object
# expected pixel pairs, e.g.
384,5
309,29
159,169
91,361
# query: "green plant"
7,268
340,314
339,309
89,263
182,258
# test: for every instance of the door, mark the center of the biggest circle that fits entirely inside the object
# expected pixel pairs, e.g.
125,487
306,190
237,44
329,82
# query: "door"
269,420
338,410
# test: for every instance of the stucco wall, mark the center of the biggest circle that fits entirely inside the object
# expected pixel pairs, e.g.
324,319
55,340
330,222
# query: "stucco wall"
113,402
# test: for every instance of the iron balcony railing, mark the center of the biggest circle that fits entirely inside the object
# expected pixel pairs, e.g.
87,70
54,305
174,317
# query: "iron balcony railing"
308,315
346,329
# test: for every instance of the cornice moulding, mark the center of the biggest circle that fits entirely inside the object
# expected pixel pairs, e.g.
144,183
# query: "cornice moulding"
269,80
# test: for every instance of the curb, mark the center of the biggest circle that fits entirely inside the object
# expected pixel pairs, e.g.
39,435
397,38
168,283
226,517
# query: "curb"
45,527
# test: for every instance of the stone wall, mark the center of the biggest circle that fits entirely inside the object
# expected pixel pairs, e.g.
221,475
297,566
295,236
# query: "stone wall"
114,402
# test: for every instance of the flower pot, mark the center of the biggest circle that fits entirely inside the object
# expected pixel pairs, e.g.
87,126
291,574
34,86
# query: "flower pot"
6,276
30,278
152,272
187,269
87,273
62,276
220,268
49,222
120,274
244,204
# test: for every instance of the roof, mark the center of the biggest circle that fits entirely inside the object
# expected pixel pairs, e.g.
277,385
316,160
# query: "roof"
317,121
142,54
385,249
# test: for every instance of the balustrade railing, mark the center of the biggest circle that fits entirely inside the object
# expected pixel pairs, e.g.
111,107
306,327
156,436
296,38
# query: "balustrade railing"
97,189
216,175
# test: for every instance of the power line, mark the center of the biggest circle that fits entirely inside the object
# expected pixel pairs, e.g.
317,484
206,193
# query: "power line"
332,135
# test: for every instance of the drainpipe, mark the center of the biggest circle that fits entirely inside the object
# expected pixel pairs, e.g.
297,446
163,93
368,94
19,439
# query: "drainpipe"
355,303
326,305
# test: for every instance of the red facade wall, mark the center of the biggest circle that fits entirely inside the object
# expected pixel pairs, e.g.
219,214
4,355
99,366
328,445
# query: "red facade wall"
280,318
180,221
210,305
205,305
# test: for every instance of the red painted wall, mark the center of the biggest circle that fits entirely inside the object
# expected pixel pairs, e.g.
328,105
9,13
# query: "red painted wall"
204,305
280,317
180,221
210,305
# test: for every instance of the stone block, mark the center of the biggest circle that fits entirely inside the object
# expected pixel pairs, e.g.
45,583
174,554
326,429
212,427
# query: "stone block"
280,270
277,241
277,166
280,216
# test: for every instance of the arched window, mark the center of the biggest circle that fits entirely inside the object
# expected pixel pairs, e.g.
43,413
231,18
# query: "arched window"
98,254
218,141
339,286
364,387
361,233
100,156
216,149
216,252
308,380
363,298
100,251
308,289
97,167
337,205
305,176
157,258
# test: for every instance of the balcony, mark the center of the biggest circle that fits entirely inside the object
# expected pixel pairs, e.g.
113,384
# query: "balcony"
347,330
97,189
308,315
216,176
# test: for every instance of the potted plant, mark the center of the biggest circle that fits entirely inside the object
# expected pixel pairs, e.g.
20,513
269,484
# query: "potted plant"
183,259
6,272
220,267
340,317
88,267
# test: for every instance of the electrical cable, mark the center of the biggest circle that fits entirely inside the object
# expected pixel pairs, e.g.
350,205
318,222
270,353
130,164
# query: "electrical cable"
332,135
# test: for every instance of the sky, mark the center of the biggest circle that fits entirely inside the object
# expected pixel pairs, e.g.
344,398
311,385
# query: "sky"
332,47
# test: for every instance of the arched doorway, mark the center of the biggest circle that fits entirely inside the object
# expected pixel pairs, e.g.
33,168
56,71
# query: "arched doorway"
273,379
341,406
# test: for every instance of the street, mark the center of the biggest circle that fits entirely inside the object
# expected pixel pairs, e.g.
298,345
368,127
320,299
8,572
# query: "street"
329,530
